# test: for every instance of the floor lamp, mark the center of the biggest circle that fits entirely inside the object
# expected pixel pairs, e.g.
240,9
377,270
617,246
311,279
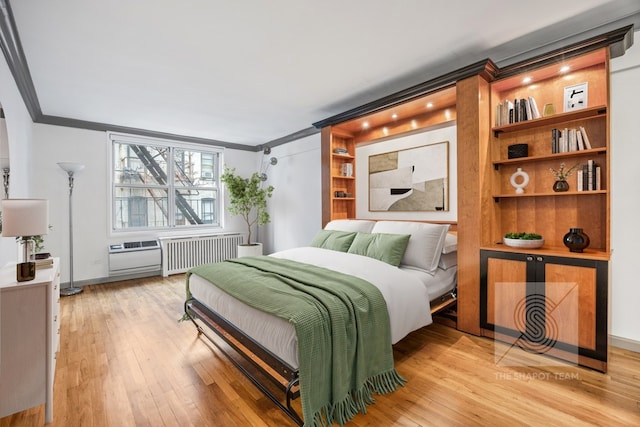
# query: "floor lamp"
71,169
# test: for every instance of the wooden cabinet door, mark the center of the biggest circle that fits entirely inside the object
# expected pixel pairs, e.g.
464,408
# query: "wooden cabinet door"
506,289
577,294
556,303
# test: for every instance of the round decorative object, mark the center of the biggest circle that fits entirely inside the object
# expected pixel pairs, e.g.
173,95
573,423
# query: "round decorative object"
560,186
576,240
519,186
522,243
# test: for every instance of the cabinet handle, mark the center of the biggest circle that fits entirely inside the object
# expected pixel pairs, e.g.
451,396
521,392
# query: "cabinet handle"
55,318
529,258
539,259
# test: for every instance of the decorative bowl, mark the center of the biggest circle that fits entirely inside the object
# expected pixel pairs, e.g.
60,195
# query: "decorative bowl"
522,243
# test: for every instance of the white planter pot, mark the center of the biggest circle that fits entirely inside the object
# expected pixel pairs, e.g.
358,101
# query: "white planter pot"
254,249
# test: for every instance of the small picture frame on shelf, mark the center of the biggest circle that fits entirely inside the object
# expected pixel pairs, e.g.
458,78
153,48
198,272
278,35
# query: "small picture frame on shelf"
575,97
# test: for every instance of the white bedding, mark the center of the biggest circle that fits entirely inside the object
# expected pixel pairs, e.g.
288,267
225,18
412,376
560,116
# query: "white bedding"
405,292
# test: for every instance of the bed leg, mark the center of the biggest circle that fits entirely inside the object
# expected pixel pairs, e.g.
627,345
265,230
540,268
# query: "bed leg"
292,412
190,316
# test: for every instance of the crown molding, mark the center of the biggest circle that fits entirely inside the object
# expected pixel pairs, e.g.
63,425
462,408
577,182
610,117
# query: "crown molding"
618,41
16,60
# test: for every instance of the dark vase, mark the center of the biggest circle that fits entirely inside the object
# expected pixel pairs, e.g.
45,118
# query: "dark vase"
576,240
560,185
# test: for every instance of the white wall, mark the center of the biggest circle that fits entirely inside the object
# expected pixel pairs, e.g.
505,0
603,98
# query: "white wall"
92,235
19,126
625,194
296,205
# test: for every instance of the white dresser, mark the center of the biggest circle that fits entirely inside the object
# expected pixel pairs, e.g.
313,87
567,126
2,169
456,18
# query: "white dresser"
29,339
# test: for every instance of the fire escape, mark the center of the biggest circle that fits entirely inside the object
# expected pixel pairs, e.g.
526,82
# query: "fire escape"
161,178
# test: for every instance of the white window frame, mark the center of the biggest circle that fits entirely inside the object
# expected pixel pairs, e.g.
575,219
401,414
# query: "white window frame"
114,137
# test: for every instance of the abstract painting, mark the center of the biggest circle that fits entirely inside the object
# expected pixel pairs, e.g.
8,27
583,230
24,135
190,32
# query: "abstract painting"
410,180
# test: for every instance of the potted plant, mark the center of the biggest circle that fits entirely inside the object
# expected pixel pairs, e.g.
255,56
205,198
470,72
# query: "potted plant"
247,198
523,240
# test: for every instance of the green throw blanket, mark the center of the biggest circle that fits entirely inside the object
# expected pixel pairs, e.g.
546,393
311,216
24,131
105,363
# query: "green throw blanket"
342,325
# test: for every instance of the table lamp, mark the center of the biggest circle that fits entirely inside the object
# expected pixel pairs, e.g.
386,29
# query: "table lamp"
25,218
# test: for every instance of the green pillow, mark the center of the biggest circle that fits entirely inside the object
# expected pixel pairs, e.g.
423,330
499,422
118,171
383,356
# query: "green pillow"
334,240
385,247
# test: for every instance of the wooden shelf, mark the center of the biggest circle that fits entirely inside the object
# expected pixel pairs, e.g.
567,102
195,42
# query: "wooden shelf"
343,198
497,197
343,177
343,156
552,120
521,160
547,250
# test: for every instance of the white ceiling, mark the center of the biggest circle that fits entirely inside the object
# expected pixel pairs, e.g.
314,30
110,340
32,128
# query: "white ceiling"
249,72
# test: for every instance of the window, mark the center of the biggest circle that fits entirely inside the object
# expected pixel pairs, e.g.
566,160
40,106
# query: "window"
160,184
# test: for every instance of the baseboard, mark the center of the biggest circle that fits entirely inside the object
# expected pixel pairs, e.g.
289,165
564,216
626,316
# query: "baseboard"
109,279
624,343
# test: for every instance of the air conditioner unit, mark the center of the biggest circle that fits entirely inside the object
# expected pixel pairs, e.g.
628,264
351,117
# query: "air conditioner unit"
134,257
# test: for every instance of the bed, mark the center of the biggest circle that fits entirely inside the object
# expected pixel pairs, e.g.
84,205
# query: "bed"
412,266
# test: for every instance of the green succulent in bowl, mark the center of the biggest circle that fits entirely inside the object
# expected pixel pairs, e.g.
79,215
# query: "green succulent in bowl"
523,236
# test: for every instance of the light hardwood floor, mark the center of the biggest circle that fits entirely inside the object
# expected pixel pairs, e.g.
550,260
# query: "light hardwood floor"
125,360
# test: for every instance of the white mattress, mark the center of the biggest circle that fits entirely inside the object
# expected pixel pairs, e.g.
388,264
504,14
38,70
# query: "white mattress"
407,294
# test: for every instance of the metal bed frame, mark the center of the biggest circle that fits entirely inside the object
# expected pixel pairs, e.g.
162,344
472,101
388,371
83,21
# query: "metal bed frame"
281,373
285,377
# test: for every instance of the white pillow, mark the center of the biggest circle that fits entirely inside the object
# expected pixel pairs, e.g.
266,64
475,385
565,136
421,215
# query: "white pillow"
361,225
450,243
448,260
425,245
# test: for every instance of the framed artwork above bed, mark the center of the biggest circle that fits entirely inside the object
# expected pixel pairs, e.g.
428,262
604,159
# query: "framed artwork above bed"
410,180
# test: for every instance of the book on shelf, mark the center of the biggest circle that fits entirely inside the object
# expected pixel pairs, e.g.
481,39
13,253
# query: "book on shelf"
518,110
568,140
504,113
579,179
572,144
346,169
585,137
535,113
589,177
579,140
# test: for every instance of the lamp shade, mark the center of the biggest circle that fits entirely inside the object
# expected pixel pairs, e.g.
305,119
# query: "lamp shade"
71,167
25,217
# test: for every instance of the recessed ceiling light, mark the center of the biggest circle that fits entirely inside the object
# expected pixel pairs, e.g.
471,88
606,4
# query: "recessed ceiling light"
385,130
365,125
429,104
526,80
414,124
565,69
394,116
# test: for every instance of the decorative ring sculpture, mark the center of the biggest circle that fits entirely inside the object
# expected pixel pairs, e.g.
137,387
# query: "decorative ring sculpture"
519,173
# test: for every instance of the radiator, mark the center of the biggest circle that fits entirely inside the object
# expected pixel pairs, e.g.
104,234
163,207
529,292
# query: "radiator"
179,254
